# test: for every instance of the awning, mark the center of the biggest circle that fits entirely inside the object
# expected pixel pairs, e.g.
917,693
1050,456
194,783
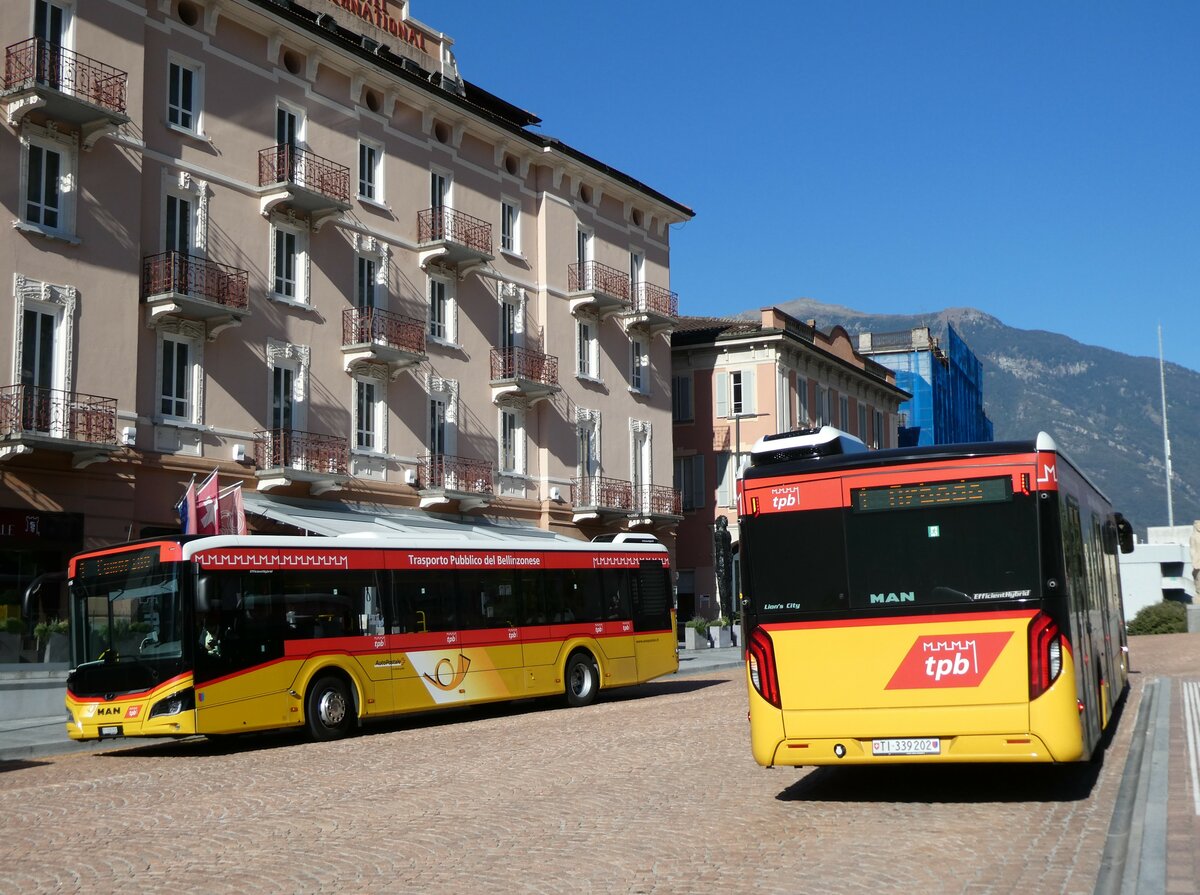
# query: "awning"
330,519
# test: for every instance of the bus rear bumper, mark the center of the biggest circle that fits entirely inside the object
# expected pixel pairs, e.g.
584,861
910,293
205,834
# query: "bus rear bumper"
1021,747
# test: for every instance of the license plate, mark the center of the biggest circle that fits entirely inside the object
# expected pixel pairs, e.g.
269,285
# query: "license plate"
915,746
110,731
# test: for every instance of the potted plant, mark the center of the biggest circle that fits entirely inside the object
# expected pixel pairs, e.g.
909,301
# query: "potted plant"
52,635
695,634
736,629
719,633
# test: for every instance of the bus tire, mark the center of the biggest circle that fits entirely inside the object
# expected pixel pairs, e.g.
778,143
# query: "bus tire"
328,709
583,679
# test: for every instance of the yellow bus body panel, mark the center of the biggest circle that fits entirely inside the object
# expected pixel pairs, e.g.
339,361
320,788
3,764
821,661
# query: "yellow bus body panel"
834,686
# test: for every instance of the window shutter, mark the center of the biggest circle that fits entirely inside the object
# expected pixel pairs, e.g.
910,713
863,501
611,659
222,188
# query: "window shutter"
748,404
724,479
722,395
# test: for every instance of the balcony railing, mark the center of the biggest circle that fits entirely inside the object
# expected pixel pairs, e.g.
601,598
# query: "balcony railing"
38,63
661,500
602,493
176,272
447,473
50,412
286,163
592,276
443,224
362,326
301,451
524,364
655,300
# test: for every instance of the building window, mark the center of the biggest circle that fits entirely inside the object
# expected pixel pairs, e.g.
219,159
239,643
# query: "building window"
365,282
681,399
586,349
689,481
587,447
48,176
510,222
844,413
368,414
583,246
862,421
735,393
512,453
727,472
176,384
639,369
289,264
802,418
177,226
877,440
441,311
184,93
370,171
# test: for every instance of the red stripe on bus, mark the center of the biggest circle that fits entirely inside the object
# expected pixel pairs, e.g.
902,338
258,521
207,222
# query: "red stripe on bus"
134,697
900,620
405,559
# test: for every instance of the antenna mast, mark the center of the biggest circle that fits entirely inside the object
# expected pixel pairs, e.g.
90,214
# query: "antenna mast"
1162,381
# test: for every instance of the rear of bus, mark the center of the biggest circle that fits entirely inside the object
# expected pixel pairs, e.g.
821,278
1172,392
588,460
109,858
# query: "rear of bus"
896,612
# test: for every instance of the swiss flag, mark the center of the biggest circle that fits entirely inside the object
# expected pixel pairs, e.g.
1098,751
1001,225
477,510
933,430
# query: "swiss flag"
206,507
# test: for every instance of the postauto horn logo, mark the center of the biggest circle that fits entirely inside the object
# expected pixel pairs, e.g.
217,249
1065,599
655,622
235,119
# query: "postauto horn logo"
949,660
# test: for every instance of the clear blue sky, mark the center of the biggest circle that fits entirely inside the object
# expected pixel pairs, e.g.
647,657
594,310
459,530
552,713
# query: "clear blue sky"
1035,160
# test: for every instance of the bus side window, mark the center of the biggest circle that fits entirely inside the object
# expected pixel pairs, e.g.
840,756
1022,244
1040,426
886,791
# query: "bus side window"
618,601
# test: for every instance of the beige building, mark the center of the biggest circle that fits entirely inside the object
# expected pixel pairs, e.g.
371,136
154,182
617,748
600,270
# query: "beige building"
735,381
289,241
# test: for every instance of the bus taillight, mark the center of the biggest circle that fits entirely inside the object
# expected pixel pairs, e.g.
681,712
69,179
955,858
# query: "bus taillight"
760,654
1045,654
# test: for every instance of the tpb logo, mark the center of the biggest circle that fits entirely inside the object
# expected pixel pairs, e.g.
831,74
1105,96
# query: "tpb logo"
787,498
951,660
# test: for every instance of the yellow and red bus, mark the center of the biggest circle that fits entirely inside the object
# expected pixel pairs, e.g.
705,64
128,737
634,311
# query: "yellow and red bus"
929,604
218,635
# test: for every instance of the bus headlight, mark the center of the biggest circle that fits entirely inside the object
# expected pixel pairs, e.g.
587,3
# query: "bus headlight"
176,703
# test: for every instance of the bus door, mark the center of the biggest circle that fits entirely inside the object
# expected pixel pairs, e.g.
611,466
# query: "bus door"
654,637
615,631
1079,604
489,633
428,666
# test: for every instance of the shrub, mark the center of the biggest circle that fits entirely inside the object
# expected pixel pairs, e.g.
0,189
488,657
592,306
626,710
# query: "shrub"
699,624
1167,617
43,630
13,625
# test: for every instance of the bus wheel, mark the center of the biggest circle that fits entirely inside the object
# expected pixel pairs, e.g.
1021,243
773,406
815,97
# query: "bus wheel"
328,709
583,680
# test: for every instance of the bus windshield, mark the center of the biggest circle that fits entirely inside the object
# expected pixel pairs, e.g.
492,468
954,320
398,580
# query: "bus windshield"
130,609
898,548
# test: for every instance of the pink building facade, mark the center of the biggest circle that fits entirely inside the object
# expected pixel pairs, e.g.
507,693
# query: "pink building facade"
735,381
291,243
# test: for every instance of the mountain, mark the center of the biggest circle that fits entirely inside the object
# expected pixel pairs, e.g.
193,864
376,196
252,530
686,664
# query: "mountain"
1104,408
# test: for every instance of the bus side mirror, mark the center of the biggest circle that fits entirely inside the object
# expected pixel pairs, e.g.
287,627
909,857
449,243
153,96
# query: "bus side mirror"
1124,533
208,596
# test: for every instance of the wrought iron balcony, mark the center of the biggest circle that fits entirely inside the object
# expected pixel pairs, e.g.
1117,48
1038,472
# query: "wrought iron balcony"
653,308
285,450
596,495
308,183
523,373
33,417
178,284
453,238
660,501
69,86
444,478
373,335
597,288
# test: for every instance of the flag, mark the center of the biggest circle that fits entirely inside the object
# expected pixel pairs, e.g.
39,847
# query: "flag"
232,511
206,506
186,508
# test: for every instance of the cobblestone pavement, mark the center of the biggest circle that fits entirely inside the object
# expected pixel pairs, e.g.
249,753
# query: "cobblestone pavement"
650,790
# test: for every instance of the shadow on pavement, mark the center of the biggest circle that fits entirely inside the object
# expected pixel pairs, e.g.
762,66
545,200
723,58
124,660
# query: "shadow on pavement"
18,764
957,783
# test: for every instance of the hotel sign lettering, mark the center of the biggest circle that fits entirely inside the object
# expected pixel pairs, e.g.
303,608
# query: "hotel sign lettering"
378,13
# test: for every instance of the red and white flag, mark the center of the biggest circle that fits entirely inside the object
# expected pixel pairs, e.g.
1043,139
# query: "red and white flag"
232,511
207,506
